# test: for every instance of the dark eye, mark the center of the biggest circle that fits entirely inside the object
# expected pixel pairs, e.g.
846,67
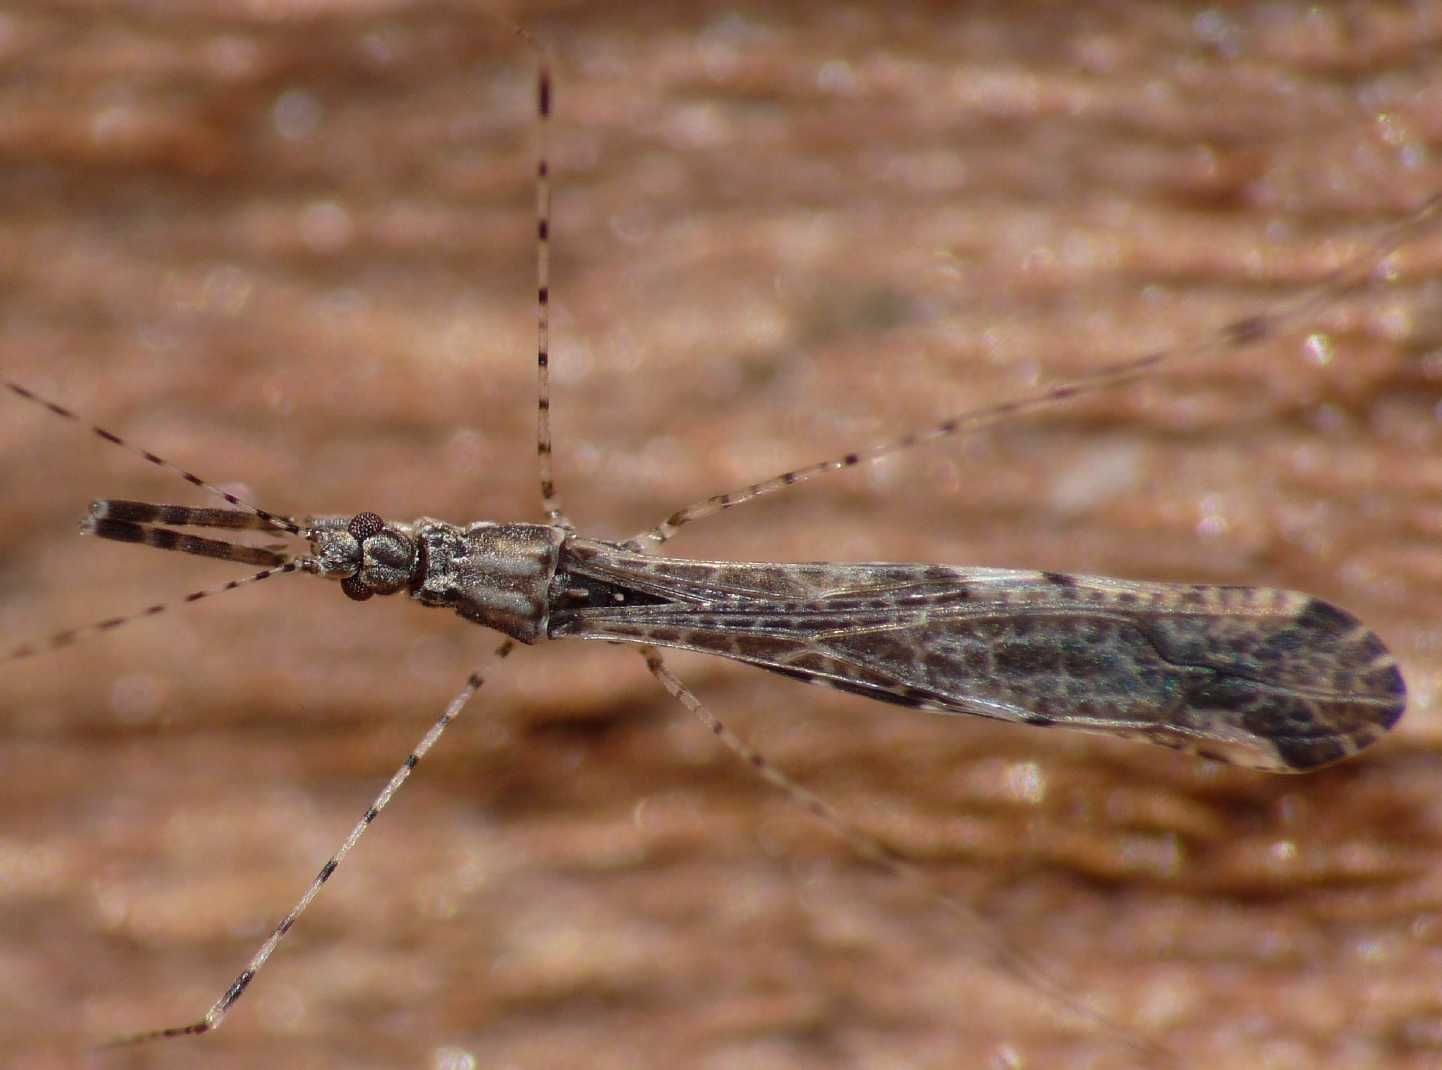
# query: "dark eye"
363,525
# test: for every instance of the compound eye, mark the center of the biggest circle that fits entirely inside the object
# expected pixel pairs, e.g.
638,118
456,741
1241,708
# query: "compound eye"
363,525
355,588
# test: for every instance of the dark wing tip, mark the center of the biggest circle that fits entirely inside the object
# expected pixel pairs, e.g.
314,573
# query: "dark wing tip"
1355,693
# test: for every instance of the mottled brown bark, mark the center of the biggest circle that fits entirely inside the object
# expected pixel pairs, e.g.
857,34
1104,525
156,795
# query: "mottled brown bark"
294,251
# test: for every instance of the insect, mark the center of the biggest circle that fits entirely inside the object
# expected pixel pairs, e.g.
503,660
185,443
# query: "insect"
488,685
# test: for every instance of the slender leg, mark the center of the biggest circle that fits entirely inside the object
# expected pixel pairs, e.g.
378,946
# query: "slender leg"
1021,965
1238,334
221,1007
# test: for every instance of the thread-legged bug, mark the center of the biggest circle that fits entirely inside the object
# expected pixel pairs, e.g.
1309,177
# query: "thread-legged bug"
639,494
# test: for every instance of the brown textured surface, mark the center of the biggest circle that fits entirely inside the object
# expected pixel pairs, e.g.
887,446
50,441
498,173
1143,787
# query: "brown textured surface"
293,251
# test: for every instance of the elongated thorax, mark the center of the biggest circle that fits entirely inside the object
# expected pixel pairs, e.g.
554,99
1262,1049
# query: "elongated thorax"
498,575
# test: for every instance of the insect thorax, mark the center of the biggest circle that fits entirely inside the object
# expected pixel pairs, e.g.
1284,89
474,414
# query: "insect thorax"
498,575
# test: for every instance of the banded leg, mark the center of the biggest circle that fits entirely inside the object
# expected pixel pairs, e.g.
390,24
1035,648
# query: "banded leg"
1239,334
1018,963
185,516
70,636
550,500
221,1007
167,539
122,520
272,520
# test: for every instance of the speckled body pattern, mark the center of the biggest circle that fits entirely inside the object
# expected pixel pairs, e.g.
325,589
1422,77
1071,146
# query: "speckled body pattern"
1268,679
1264,678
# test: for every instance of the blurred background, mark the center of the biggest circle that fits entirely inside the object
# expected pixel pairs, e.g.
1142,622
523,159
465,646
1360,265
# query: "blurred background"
290,246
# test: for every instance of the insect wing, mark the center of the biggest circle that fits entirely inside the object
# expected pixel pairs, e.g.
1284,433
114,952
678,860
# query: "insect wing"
1262,678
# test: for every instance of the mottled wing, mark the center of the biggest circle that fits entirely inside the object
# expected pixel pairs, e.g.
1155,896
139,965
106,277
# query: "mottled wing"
1268,679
